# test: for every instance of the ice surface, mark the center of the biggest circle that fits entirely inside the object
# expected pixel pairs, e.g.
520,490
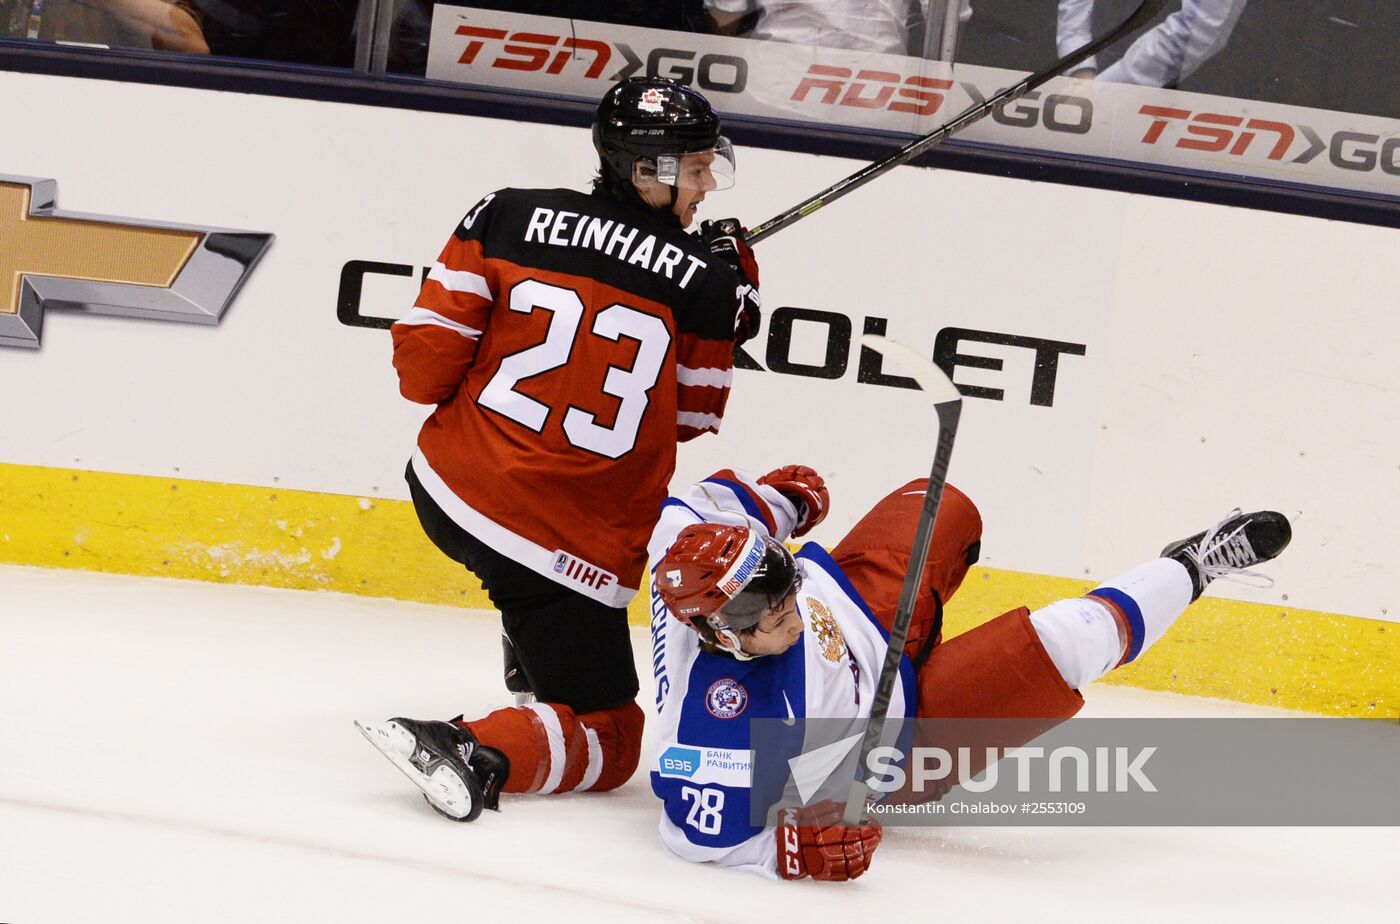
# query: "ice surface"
180,751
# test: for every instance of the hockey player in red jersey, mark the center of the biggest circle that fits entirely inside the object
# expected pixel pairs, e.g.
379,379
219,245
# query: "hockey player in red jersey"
766,634
569,341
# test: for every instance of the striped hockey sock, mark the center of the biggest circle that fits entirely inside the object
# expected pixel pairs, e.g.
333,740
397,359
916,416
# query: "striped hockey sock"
553,750
1116,622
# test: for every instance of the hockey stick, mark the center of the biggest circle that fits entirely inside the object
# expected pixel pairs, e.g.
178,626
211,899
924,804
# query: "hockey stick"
1145,11
943,394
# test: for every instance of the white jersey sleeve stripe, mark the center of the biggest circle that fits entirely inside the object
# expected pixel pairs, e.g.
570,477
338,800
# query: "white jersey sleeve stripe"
712,378
595,761
554,733
422,316
461,281
698,421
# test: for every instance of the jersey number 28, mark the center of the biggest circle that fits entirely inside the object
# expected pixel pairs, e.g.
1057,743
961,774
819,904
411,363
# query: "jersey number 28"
631,386
705,809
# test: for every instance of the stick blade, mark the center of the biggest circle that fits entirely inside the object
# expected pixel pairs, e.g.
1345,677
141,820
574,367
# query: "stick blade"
937,386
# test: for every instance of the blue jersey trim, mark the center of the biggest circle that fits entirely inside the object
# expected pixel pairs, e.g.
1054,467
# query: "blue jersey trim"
1132,612
741,492
677,502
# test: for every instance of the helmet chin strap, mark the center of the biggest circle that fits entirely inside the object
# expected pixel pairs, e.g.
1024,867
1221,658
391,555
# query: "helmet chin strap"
666,213
736,649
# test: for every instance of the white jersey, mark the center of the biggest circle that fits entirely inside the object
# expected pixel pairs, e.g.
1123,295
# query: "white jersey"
1166,54
702,768
864,25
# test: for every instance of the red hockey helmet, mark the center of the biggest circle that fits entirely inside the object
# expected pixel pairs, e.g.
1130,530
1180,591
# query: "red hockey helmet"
728,576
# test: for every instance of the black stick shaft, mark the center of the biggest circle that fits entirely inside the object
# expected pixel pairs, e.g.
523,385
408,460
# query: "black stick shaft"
948,414
1145,11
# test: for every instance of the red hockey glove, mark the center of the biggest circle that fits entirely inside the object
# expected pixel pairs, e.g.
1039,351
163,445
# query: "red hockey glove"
749,314
807,491
725,239
812,841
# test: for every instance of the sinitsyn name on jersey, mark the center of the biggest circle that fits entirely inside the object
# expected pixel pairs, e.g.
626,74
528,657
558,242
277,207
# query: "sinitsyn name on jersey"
563,228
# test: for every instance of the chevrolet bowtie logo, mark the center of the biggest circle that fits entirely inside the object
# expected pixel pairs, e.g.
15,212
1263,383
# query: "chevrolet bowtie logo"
124,267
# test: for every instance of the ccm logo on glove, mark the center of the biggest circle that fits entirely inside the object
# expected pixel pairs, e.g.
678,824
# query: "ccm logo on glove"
814,841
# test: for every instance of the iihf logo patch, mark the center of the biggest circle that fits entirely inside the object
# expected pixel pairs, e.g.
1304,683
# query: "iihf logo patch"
572,568
726,698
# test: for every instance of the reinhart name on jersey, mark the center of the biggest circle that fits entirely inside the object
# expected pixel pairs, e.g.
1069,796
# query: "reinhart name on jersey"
561,229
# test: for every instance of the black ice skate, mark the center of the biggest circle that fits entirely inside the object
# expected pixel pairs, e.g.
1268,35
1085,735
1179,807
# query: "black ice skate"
1231,546
516,681
457,775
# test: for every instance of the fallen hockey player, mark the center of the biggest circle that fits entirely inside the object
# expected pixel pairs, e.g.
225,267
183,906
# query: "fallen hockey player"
761,633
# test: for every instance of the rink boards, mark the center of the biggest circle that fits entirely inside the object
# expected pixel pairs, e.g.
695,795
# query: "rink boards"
1135,367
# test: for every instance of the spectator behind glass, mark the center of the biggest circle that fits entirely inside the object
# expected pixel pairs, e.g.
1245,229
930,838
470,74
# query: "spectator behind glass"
157,24
317,32
1163,56
408,49
864,25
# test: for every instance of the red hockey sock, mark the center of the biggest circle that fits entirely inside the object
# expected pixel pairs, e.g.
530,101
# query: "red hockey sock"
553,750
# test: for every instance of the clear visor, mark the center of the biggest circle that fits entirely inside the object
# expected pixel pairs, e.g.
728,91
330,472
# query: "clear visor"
775,579
698,171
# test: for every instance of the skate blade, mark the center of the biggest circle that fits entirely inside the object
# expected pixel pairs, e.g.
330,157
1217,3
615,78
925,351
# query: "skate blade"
443,789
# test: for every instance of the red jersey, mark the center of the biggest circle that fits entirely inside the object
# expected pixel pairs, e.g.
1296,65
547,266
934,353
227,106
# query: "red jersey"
569,342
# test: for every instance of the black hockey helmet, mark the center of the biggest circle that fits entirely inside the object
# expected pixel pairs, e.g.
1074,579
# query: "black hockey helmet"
647,124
